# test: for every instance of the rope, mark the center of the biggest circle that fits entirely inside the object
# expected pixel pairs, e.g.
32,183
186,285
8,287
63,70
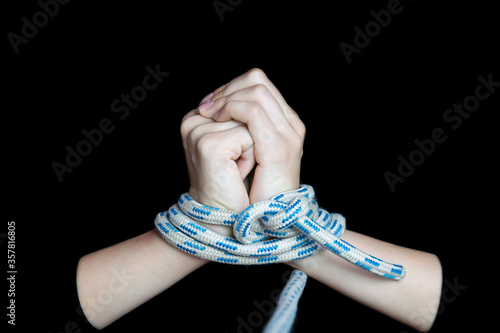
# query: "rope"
290,226
284,315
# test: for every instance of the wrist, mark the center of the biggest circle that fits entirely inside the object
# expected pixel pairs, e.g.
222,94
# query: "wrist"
219,200
204,200
265,190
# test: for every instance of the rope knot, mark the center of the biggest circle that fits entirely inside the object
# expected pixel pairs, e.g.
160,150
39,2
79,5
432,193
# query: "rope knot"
289,226
270,218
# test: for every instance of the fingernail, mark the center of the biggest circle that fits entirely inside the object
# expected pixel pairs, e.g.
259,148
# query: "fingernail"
206,98
205,105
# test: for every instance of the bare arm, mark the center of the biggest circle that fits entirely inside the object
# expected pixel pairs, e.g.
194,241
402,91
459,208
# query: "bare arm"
115,280
413,301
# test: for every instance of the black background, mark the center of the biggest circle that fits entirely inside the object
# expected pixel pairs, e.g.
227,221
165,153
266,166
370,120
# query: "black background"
359,118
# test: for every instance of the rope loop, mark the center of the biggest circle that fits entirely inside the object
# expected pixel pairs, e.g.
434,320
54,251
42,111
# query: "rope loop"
289,226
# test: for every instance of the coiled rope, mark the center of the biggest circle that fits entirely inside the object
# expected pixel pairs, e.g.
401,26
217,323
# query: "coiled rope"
290,226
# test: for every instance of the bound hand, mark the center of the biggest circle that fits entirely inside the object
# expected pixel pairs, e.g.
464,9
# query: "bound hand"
276,130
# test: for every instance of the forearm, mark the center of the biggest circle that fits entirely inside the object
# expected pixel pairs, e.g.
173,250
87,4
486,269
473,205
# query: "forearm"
115,280
414,297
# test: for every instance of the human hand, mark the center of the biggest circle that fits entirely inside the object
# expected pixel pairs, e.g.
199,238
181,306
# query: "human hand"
219,156
277,132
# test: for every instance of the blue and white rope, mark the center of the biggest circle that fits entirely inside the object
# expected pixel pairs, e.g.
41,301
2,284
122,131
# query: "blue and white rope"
290,226
284,314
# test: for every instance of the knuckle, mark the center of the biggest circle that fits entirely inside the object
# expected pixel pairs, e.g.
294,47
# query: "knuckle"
254,109
195,134
228,105
256,75
260,90
220,89
294,141
298,126
221,101
187,116
207,143
186,127
227,109
297,142
301,129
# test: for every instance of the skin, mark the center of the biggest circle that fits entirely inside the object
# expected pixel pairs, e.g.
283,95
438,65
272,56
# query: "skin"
244,144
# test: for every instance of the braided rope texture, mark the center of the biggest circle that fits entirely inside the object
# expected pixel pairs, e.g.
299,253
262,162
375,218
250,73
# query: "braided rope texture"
284,315
290,226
